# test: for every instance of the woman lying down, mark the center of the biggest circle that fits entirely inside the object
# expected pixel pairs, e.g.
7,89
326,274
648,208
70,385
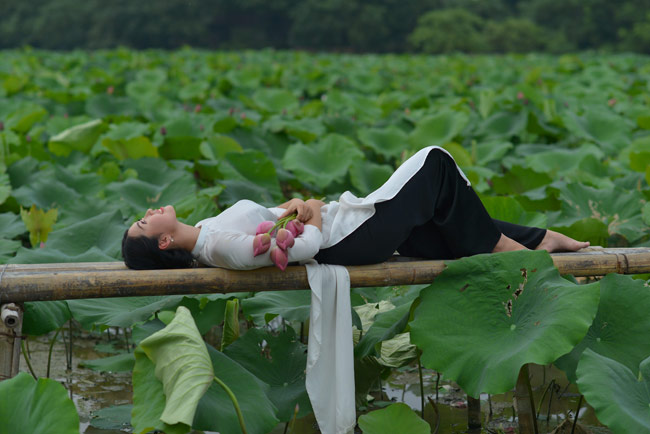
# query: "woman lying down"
427,209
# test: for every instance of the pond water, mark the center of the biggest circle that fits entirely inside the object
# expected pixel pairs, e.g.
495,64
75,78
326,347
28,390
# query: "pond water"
92,391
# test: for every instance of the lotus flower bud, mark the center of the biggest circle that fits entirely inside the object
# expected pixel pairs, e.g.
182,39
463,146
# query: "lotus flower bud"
284,239
264,227
279,258
261,244
295,227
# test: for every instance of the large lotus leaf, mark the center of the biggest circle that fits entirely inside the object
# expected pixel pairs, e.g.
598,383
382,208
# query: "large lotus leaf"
182,365
119,363
149,399
437,129
44,316
182,139
561,161
45,192
279,361
50,255
250,175
606,128
503,125
489,151
119,311
127,140
393,419
621,328
509,210
155,171
306,130
5,184
389,141
518,180
367,176
216,412
217,146
140,195
620,210
87,184
42,407
117,417
10,225
487,315
290,305
22,119
620,398
587,229
8,248
103,231
103,105
78,138
322,162
275,100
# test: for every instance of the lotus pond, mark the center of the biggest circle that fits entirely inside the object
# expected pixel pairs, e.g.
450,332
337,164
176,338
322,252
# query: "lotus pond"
89,140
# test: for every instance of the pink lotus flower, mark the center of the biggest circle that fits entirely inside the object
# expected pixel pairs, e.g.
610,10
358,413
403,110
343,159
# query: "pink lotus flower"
261,244
284,239
295,227
264,227
279,257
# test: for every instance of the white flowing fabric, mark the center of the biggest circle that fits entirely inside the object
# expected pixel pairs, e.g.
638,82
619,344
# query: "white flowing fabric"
330,360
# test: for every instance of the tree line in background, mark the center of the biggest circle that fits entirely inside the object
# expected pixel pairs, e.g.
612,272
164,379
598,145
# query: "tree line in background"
430,26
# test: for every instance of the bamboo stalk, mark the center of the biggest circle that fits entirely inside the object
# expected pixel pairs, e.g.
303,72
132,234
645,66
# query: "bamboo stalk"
22,283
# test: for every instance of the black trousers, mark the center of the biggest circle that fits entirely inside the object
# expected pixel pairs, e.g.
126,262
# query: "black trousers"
434,216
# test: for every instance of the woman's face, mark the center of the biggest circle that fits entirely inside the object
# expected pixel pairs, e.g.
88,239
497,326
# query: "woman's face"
155,222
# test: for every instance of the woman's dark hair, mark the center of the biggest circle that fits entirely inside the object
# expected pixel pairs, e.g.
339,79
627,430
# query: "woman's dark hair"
142,253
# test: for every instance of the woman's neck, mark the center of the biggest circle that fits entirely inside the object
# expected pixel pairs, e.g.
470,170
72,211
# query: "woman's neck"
185,236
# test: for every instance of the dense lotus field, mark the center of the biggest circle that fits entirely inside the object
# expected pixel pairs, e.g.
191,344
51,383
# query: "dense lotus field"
90,140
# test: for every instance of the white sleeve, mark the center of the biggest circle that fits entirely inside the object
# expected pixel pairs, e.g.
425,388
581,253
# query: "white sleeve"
235,250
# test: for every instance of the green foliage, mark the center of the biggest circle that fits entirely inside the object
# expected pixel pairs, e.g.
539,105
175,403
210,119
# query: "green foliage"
39,406
394,418
449,31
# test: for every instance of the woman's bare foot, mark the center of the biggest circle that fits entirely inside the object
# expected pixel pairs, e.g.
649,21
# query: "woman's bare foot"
506,244
556,242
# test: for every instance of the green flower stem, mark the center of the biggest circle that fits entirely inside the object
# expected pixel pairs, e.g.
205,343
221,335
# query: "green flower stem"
234,403
49,354
282,223
29,363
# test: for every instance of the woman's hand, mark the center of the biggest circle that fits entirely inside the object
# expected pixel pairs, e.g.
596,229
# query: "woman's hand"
304,211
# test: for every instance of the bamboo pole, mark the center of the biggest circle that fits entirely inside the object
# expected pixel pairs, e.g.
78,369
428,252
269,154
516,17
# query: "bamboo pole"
39,282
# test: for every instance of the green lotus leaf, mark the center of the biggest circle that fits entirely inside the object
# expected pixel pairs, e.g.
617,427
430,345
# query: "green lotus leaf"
290,305
306,130
561,161
393,419
117,417
24,117
8,248
11,225
45,192
50,255
487,315
384,326
611,131
398,351
119,363
139,195
437,129
81,137
217,146
84,235
508,209
275,100
587,229
518,180
44,316
30,406
489,151
322,162
250,175
620,210
136,147
367,176
279,361
643,122
389,141
182,365
103,105
39,223
503,125
620,398
621,327
119,311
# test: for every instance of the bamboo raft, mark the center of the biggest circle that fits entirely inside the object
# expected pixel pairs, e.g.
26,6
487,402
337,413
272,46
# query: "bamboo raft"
47,282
